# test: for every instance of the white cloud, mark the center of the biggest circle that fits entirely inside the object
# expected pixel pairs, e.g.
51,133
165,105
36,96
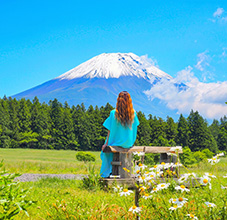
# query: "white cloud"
224,50
218,12
148,61
206,98
202,61
218,16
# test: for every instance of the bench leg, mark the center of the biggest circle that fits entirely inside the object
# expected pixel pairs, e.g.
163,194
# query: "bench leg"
126,161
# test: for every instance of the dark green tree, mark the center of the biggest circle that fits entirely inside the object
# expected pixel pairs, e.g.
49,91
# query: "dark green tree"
200,136
222,136
14,122
215,129
143,132
68,138
182,132
24,116
171,130
56,115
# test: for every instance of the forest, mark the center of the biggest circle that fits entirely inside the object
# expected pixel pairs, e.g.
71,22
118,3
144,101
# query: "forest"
31,124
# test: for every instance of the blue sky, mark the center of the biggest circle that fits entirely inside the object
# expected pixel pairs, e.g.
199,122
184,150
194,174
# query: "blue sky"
40,40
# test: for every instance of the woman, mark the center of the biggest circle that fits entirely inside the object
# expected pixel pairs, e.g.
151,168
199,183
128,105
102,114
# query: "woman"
122,129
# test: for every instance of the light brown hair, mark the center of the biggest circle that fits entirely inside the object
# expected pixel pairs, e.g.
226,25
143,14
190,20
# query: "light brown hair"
124,109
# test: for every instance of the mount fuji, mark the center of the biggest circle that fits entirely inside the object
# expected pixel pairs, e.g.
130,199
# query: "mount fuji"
100,79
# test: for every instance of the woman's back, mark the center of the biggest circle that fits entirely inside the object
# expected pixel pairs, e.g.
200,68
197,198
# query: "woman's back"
122,129
120,135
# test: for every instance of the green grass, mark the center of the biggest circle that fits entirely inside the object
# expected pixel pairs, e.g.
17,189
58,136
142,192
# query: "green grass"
202,167
66,199
44,161
54,195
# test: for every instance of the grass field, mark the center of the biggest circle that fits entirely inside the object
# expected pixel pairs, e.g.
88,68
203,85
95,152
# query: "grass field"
67,199
44,161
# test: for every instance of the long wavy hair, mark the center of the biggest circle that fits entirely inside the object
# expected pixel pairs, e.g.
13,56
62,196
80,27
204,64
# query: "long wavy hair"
124,109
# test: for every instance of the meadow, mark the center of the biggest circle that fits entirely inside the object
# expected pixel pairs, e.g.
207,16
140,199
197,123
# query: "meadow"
69,199
44,161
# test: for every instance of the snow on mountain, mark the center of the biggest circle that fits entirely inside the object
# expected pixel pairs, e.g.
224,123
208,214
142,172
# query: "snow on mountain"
100,79
115,65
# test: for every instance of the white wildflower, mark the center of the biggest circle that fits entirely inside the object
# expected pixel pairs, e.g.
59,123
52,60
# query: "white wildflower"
210,175
146,196
213,160
163,185
125,192
139,153
178,201
135,209
117,188
175,206
175,149
220,154
182,188
205,180
191,216
209,204
155,190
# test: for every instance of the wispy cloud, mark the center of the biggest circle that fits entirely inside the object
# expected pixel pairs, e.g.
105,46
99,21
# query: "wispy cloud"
224,52
219,16
149,61
218,12
207,98
203,60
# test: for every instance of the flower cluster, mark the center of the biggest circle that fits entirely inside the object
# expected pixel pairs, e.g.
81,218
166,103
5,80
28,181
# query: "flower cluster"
151,184
215,159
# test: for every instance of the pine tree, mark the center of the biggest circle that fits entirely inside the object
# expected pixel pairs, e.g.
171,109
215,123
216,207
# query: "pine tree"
158,135
68,138
56,115
81,127
144,130
14,122
222,136
200,136
182,132
5,132
40,123
215,129
24,116
171,130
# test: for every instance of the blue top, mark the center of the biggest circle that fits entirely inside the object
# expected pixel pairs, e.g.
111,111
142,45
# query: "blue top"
120,135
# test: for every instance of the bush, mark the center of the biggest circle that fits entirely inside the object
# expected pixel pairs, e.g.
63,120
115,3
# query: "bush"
83,156
208,153
93,180
13,198
151,159
199,156
187,158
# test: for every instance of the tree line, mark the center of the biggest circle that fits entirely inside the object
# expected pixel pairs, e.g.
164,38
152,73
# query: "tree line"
31,124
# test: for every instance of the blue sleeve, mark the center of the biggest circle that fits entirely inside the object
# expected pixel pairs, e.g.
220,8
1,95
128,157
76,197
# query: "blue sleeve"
136,120
107,122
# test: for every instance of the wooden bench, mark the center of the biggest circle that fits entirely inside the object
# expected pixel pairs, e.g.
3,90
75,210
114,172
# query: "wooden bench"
122,157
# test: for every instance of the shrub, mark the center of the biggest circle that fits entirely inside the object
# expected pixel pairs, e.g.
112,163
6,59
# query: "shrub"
151,159
199,156
93,180
208,153
13,198
83,156
187,158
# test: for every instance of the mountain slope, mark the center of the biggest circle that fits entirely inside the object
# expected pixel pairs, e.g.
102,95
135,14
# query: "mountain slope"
100,79
115,65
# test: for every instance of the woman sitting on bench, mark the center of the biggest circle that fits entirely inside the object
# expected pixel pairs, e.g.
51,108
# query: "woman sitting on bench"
122,130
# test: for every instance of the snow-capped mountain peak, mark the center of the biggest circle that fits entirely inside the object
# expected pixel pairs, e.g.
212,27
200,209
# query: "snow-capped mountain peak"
114,65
